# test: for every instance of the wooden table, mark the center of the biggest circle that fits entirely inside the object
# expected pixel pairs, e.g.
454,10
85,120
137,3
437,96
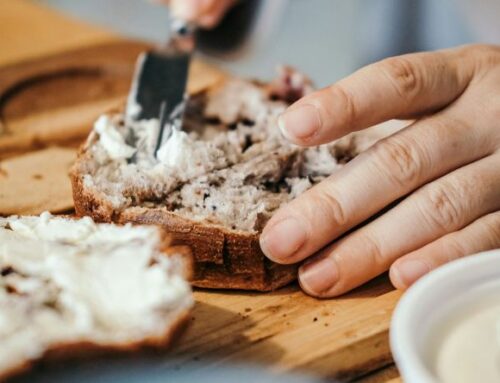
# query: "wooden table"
284,330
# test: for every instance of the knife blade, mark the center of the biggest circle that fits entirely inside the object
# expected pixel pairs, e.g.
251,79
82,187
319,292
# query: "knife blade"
159,84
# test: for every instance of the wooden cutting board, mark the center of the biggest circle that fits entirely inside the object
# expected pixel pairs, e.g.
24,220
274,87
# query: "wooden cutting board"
53,98
289,331
56,99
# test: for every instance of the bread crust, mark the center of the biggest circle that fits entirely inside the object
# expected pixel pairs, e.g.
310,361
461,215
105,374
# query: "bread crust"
223,258
87,349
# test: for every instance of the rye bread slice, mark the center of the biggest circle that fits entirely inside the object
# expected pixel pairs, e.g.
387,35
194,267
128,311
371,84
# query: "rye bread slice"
72,289
223,258
219,210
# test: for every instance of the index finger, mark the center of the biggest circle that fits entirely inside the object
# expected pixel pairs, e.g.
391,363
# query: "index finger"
397,87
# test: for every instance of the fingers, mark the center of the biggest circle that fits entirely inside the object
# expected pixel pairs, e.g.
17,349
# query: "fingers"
391,169
441,207
205,13
393,88
481,235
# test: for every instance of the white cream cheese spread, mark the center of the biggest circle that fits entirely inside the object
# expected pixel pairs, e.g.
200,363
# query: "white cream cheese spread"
229,165
112,140
177,151
180,155
68,280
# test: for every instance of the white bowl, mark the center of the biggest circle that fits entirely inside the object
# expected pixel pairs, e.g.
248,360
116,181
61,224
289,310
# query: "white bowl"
427,304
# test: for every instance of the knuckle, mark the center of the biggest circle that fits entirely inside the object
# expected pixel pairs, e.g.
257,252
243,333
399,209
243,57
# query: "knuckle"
470,50
491,224
494,109
444,209
404,75
453,249
487,53
488,109
345,101
491,57
399,159
484,56
374,250
330,205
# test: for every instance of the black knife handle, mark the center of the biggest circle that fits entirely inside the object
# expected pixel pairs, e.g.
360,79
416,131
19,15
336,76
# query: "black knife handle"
232,32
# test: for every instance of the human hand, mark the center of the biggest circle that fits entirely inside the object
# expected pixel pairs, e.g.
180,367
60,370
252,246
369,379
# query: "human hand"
204,13
445,168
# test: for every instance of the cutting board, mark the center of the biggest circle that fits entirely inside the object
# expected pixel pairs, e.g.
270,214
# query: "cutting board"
54,100
288,331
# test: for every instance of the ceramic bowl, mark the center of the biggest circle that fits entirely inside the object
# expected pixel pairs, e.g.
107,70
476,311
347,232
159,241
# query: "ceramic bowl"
424,309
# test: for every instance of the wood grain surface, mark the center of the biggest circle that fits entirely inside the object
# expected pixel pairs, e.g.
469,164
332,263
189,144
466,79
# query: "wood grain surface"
29,30
284,330
289,331
37,182
56,99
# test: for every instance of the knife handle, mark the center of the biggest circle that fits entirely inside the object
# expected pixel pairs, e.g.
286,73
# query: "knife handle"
232,31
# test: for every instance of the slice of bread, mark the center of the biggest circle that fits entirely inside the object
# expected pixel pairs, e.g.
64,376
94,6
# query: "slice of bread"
71,287
213,185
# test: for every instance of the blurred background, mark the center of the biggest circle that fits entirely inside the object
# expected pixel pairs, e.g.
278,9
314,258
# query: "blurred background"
326,39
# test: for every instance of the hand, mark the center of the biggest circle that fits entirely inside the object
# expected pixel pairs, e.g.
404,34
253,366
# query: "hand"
204,13
445,168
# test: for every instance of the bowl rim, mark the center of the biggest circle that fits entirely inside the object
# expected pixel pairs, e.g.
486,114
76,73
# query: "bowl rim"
403,348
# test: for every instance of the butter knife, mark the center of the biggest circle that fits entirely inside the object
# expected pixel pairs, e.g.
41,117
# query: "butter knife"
159,84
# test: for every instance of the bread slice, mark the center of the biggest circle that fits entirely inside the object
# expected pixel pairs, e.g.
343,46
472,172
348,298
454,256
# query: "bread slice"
213,185
71,287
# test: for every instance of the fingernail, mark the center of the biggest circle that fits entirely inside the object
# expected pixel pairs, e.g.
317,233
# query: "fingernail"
301,122
410,270
283,239
190,9
318,276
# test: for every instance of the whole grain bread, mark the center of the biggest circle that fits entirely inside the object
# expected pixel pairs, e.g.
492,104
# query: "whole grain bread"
232,170
48,313
223,258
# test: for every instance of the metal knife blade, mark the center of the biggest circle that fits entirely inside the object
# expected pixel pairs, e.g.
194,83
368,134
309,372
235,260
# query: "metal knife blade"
159,84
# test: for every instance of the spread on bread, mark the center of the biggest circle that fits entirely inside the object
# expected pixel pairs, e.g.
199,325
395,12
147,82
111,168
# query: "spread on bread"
65,282
214,184
228,166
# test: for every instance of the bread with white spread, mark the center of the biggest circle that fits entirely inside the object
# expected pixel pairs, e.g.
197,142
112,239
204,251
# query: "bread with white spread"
214,184
72,286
